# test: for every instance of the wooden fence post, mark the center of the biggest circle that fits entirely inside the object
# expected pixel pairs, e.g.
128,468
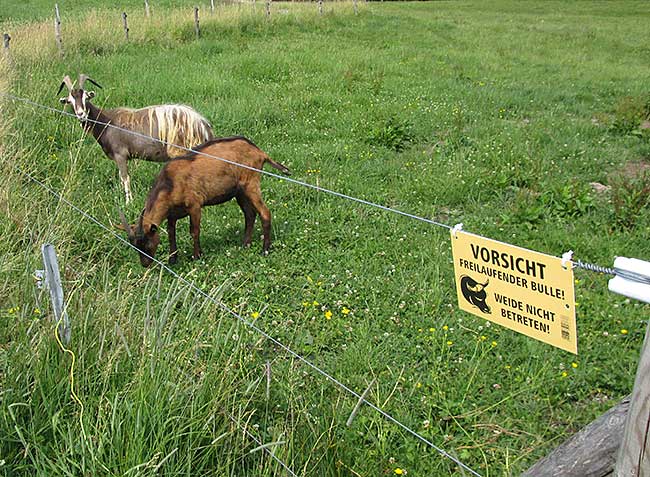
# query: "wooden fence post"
320,7
53,282
634,453
57,28
356,11
268,8
126,26
7,39
212,6
146,8
591,451
196,23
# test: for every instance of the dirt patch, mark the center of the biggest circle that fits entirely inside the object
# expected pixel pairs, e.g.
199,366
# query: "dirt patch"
633,170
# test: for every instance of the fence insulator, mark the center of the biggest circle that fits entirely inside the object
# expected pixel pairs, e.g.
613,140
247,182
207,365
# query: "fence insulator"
624,283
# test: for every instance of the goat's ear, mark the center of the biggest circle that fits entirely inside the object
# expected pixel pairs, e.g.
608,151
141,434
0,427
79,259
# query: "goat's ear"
120,227
90,94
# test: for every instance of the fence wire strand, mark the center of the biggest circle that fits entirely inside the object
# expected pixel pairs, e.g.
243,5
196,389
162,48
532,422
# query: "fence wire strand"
251,325
271,174
577,263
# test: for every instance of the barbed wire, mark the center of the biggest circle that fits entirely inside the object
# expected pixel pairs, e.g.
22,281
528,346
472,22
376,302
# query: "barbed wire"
250,324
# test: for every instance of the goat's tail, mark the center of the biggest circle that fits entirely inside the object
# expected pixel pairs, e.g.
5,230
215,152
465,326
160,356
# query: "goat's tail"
277,165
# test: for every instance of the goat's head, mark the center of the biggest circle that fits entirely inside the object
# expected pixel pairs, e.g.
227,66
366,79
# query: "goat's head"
78,97
143,236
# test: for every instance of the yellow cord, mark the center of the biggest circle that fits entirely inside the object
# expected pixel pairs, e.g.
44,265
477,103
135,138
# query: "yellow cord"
74,359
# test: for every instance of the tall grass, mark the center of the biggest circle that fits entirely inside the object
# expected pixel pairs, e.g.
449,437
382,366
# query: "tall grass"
444,110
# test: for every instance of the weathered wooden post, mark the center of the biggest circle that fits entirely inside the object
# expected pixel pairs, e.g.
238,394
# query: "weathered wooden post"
57,28
320,7
53,282
356,10
212,6
268,8
7,39
196,23
634,453
617,443
126,26
146,8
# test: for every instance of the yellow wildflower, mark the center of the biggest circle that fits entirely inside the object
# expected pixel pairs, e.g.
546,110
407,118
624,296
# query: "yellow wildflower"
623,331
255,315
345,310
449,343
574,365
328,314
399,471
445,328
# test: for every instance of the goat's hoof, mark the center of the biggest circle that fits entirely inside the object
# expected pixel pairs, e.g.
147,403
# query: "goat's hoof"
173,259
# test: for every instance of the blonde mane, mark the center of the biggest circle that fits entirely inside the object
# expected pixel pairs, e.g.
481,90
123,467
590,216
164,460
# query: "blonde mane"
178,124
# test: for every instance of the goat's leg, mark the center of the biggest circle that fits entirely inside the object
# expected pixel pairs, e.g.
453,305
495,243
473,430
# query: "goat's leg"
171,232
195,230
124,176
261,208
249,218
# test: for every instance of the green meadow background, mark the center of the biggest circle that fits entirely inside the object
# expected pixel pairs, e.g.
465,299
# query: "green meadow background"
498,115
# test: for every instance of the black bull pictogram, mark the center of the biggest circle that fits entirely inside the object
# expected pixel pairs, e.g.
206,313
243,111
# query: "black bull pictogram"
474,292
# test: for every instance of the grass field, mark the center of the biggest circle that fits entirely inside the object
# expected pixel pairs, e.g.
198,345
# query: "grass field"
494,114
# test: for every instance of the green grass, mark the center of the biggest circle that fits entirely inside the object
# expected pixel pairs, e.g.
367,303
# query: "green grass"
496,115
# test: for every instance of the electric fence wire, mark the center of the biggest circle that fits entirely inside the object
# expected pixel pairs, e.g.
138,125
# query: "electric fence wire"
577,263
271,174
250,324
586,266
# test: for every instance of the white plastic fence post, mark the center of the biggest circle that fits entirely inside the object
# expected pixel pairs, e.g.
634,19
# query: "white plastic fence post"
53,283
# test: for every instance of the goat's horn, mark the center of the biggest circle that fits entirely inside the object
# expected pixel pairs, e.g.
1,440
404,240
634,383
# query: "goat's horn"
125,224
140,230
94,82
82,81
66,82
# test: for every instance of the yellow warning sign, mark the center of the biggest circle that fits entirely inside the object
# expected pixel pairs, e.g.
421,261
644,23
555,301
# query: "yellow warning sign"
526,291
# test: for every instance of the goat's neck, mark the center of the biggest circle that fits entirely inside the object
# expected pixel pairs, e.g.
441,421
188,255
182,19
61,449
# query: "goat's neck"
156,211
97,120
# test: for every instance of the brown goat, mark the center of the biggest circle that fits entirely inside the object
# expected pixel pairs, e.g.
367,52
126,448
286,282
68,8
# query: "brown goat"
188,183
